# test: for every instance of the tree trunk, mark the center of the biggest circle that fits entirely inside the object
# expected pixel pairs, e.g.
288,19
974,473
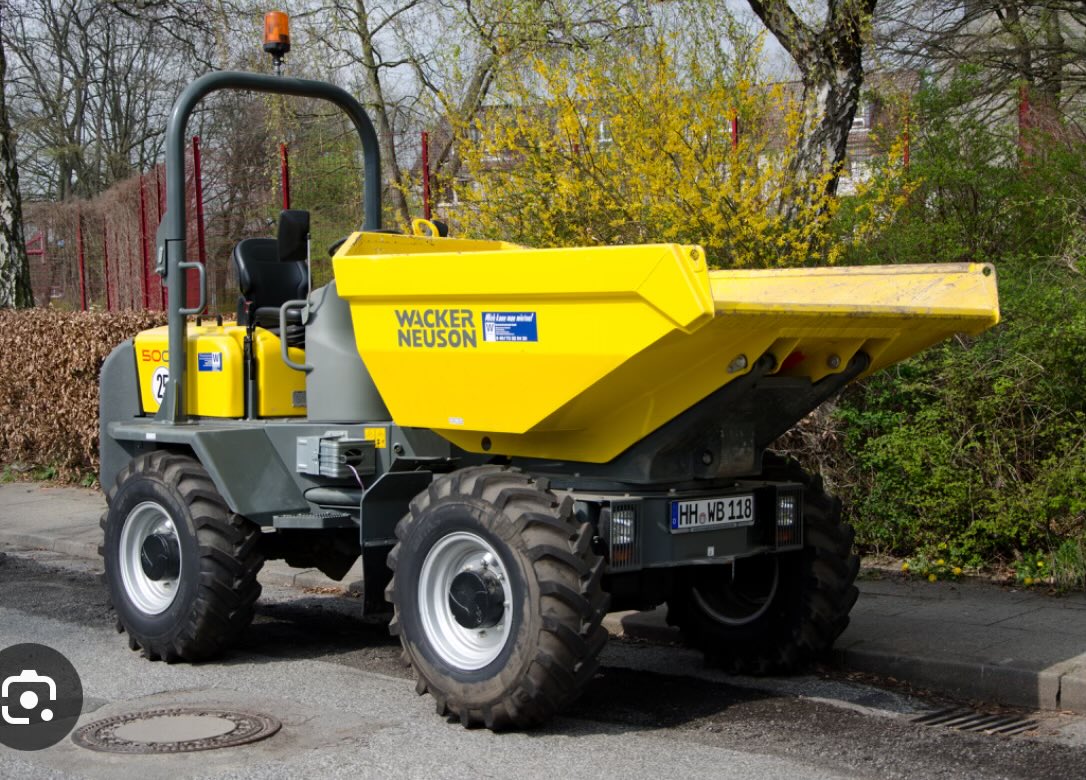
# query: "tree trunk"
830,60
393,174
831,95
14,264
447,160
1050,79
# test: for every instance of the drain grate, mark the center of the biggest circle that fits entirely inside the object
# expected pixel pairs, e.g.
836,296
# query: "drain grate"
175,730
979,722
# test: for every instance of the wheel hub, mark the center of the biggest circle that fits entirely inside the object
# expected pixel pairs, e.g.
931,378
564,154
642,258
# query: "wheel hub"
150,558
477,599
465,600
160,557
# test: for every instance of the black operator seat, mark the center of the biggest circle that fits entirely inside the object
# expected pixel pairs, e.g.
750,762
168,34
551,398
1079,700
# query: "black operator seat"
272,271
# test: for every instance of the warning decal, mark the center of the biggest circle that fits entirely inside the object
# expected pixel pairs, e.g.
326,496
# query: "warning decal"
377,436
510,326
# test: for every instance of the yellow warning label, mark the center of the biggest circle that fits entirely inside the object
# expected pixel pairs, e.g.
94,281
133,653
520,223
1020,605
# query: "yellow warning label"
377,436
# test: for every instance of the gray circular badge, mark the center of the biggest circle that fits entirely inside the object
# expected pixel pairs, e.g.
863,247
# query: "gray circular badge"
41,696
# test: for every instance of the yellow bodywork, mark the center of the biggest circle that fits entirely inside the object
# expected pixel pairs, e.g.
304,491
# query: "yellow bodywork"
215,375
576,354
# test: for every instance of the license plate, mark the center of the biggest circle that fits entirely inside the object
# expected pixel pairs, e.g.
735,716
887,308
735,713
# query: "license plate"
705,513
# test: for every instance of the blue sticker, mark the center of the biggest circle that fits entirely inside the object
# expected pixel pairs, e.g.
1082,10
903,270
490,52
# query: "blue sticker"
510,326
209,361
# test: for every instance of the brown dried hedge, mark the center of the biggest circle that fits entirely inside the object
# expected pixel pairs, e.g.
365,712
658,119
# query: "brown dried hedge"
49,365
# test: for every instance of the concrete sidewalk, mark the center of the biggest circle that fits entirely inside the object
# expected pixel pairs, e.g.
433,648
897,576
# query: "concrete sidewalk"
966,639
65,520
970,640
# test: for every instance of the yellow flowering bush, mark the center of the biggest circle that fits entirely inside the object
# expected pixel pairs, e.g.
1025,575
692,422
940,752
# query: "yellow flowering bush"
633,144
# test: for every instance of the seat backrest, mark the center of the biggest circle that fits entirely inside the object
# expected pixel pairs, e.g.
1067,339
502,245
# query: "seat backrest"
293,235
267,281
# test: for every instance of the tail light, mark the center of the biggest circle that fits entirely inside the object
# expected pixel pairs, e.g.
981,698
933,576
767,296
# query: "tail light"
789,518
621,530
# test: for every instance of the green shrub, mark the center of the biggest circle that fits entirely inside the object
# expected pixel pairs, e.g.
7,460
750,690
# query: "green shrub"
980,443
1069,564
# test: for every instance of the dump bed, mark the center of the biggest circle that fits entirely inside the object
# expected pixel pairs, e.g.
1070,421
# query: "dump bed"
576,354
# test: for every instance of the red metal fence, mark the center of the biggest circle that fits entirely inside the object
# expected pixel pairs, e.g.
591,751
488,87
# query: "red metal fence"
100,253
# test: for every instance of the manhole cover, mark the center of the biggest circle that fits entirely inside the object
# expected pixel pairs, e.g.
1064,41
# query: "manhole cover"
175,730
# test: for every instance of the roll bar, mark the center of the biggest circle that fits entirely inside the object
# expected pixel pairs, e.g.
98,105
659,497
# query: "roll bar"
170,239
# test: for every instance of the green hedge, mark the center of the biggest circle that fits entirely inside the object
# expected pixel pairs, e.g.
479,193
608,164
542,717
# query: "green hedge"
975,450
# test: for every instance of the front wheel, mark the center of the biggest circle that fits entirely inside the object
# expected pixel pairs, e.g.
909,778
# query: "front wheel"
180,567
497,598
774,613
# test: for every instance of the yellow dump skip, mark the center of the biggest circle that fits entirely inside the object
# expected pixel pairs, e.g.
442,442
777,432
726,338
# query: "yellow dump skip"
578,353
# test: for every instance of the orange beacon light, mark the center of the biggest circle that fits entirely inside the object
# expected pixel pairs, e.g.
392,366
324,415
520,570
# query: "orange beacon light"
276,35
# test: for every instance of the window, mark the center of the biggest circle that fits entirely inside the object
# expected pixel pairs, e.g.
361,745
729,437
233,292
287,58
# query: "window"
860,121
603,134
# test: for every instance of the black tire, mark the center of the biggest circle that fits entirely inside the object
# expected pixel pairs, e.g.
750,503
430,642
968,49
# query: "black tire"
550,632
215,589
791,622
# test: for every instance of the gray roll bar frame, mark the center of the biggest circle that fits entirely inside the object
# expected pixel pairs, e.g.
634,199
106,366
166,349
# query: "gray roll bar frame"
170,238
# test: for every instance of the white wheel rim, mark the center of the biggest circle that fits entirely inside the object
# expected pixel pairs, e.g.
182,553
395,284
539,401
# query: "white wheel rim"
464,648
149,596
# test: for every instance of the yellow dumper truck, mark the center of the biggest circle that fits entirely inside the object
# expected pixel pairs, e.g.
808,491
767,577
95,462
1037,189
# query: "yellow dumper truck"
513,441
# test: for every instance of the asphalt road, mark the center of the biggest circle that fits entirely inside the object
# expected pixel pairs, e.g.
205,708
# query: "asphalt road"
349,709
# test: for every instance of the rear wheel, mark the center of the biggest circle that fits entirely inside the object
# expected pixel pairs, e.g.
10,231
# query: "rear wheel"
497,598
774,613
180,567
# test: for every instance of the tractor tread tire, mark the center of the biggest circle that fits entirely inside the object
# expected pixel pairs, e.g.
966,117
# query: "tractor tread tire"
824,586
228,556
570,634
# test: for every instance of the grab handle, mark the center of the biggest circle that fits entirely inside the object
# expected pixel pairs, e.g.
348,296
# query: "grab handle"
202,273
300,306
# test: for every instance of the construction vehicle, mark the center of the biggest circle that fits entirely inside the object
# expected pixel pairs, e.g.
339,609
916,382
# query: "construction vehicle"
513,441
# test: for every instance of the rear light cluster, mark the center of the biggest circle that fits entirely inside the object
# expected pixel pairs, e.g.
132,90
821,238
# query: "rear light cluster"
620,527
789,518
